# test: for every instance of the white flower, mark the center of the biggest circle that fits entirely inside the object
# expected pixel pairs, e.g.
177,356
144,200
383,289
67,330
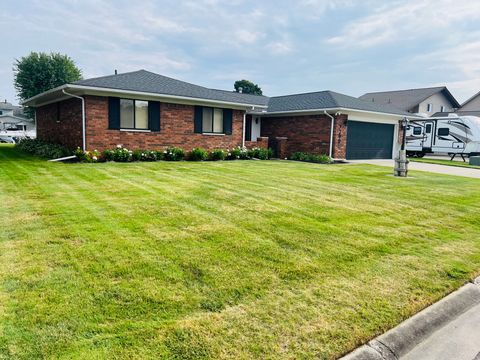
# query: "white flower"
164,151
119,146
94,158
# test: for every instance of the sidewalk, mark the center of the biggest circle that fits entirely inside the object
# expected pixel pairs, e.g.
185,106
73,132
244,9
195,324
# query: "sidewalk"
446,330
460,339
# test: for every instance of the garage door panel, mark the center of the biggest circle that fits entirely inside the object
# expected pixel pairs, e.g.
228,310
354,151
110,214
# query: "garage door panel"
369,140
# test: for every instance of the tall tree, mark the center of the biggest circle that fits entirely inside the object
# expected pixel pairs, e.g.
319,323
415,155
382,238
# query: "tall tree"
247,87
39,72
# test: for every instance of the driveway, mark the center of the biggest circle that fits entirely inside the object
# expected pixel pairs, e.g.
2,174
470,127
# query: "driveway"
434,168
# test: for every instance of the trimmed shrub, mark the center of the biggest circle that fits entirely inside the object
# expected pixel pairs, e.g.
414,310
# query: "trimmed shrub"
260,153
137,155
198,154
150,155
314,158
89,156
119,154
218,154
238,153
173,154
43,149
299,156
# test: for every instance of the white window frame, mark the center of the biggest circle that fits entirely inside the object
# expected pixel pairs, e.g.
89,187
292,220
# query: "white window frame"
429,107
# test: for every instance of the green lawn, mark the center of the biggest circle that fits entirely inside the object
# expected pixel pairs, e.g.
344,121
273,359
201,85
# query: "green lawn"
444,162
242,259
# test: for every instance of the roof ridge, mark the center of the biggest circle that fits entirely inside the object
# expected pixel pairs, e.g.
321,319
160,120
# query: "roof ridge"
107,76
306,93
412,89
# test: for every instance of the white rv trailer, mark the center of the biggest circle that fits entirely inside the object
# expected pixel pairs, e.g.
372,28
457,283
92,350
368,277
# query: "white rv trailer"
454,135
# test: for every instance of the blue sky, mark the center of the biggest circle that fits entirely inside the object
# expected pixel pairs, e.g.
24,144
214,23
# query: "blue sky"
286,47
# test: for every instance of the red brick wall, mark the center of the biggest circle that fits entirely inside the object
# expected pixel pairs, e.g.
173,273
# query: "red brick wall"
307,133
61,123
176,129
261,142
340,137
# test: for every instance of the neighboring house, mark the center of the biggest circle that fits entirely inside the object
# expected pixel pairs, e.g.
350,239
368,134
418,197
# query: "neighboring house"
471,107
144,110
416,101
14,123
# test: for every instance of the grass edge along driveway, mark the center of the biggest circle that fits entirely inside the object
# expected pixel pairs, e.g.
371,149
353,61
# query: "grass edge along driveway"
242,259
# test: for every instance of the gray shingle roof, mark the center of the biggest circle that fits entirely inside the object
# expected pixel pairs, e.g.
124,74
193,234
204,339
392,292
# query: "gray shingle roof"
458,112
146,81
326,100
407,99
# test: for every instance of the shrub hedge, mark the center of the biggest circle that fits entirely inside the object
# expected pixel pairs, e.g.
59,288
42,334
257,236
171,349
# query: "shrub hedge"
121,154
314,158
43,149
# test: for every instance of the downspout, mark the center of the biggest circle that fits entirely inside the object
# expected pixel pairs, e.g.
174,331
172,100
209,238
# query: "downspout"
330,152
243,128
83,116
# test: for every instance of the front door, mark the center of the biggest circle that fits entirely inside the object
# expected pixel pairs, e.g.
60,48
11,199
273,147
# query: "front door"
428,136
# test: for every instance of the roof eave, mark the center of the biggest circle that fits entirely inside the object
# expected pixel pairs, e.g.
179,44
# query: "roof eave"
35,100
337,109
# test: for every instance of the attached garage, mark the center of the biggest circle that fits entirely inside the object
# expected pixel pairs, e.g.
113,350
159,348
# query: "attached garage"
368,140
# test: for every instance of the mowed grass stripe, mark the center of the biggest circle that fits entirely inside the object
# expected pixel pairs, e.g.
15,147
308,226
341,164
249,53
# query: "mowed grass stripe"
225,260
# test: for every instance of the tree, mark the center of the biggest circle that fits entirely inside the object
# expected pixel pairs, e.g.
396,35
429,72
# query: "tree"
248,87
39,72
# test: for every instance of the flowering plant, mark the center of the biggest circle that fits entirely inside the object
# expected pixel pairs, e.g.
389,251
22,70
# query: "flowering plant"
89,156
173,154
238,153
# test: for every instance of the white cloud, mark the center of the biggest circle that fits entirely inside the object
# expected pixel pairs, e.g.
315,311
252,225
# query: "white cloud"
406,20
462,60
279,48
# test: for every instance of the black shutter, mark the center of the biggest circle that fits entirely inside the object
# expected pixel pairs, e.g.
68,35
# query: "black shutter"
154,115
248,129
227,121
197,121
114,113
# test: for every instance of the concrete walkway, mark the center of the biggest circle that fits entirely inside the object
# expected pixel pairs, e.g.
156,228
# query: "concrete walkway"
459,339
434,168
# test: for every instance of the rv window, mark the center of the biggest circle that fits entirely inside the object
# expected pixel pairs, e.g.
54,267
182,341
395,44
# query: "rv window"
417,130
443,131
428,128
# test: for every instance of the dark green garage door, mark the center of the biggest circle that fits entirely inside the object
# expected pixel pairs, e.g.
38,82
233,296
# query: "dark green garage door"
369,140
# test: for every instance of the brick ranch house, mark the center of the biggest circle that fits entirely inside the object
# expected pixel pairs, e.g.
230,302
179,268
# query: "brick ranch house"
144,110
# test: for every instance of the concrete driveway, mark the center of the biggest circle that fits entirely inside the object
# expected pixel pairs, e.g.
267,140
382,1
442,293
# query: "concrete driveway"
434,168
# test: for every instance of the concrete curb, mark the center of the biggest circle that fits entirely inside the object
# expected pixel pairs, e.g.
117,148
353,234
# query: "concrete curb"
398,341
